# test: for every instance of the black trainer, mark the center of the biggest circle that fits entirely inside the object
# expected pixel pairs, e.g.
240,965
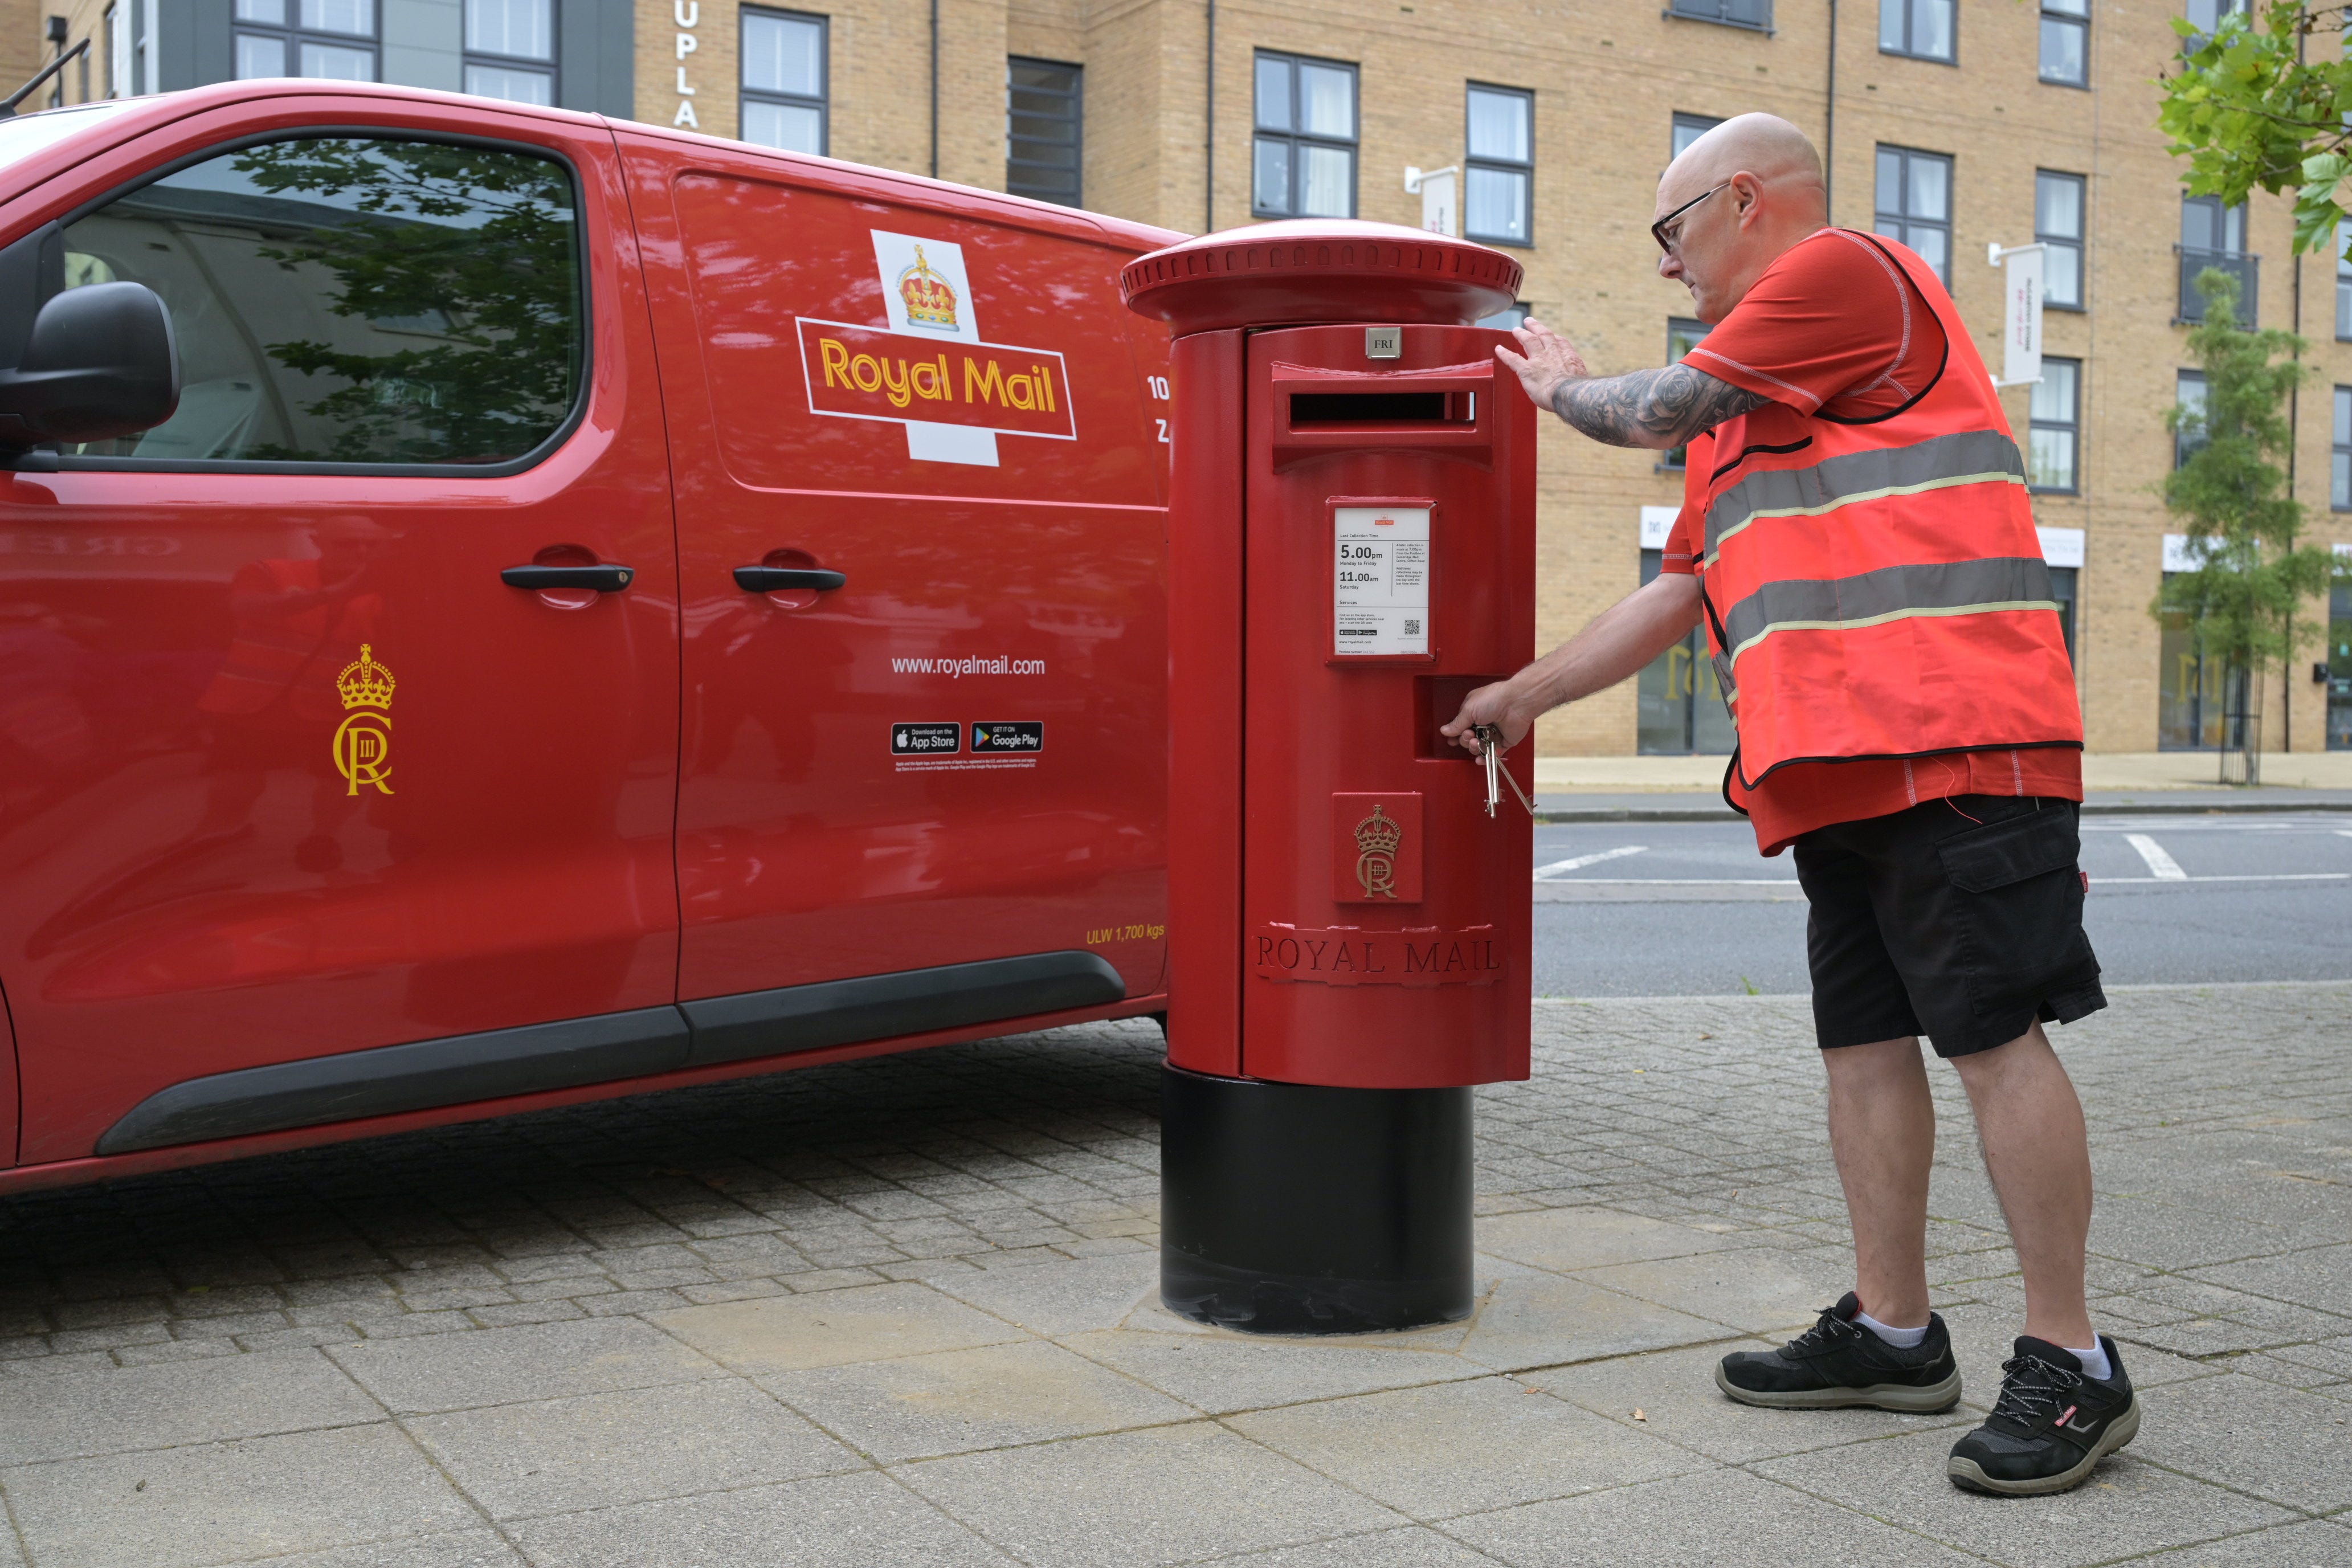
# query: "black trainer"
2049,1426
1838,1362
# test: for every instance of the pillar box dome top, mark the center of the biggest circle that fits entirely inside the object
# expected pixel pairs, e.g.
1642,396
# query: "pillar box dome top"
1319,271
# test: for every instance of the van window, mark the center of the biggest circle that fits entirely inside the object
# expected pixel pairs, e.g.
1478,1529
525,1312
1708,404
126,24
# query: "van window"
345,299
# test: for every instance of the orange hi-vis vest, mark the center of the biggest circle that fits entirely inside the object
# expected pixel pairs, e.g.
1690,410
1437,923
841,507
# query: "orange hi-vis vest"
1874,587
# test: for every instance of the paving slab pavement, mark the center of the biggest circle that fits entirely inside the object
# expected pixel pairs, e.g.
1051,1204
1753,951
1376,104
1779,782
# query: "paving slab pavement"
904,1311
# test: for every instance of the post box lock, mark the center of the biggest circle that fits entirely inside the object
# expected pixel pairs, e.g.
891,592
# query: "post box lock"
1384,343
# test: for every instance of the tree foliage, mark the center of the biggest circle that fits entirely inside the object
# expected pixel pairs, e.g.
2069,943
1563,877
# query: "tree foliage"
475,241
2251,582
2251,112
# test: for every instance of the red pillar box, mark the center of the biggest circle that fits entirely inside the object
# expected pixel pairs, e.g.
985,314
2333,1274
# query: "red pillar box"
1351,549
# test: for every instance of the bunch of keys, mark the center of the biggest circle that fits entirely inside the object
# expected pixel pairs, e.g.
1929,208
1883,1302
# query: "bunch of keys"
1490,752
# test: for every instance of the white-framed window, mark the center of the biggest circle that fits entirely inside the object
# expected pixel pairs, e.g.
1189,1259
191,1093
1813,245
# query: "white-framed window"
2054,441
2189,436
784,100
331,39
1922,29
2066,42
511,49
2343,281
1303,156
1499,178
1915,204
2058,225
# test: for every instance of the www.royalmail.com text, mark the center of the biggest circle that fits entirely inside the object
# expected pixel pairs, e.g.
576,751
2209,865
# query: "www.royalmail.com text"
968,665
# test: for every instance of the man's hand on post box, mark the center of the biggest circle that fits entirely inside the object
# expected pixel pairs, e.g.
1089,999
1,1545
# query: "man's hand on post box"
1620,640
1657,409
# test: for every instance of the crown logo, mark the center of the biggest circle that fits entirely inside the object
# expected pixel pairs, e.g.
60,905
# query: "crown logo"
365,683
930,302
1378,837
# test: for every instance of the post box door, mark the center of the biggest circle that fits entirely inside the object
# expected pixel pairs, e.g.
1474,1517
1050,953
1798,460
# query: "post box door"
1390,545
957,754
288,768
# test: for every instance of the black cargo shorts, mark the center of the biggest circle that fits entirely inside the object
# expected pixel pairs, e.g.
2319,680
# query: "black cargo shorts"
1960,919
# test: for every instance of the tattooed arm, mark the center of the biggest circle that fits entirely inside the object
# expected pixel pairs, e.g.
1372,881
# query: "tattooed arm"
1660,409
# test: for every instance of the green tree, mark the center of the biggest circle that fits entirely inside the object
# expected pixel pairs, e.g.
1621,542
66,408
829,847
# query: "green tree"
2251,583
479,240
2251,112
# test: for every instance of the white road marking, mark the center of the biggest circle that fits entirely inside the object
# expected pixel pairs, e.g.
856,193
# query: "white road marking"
1791,882
2165,866
1583,860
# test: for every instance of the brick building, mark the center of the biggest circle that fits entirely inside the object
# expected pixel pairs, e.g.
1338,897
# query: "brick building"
1949,127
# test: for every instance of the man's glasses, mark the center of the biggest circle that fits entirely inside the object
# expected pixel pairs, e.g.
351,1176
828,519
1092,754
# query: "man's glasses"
1658,229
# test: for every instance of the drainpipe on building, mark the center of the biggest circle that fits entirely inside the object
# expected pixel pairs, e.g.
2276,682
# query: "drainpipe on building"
1829,125
2293,439
1209,133
935,89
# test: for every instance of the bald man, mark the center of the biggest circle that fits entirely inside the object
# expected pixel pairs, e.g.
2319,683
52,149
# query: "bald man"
1856,536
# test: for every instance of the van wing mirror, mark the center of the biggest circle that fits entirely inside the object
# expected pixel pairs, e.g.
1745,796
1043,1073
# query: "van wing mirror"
101,362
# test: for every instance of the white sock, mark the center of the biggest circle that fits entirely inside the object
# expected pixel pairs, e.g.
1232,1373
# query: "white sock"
1901,1339
2094,1362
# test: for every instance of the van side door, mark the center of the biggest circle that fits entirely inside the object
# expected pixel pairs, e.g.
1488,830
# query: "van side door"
293,763
922,542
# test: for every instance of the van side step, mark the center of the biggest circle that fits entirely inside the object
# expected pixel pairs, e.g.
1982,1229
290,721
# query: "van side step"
910,1002
426,1073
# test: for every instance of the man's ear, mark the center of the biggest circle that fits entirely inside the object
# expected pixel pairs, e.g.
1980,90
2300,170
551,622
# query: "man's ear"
1747,194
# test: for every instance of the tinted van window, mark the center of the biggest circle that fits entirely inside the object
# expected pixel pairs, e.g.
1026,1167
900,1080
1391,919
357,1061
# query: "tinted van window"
354,301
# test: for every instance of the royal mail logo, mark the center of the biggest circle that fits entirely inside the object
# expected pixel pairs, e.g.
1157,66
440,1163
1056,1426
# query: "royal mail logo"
362,744
1378,839
930,299
867,372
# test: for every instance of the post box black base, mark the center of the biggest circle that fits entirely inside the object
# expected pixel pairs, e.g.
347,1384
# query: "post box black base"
1292,1208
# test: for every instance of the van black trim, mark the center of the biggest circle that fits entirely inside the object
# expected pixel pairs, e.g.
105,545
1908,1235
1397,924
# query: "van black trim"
45,461
416,1077
427,1074
910,1002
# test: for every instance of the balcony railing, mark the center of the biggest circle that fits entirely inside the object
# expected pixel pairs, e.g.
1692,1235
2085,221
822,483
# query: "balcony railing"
2246,269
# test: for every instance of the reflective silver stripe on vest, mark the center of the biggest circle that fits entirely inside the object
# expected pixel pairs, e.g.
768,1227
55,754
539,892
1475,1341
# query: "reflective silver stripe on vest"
1889,594
1971,458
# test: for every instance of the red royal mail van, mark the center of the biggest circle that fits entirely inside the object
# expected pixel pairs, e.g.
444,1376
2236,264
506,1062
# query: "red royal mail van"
499,607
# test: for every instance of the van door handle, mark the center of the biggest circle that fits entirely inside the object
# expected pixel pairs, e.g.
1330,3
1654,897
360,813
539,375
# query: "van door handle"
603,579
774,579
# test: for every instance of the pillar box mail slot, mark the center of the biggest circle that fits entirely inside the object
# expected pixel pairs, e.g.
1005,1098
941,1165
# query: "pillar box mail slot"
1351,548
1384,408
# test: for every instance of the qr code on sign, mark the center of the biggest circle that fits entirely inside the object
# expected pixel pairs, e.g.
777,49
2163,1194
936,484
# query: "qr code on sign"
1412,628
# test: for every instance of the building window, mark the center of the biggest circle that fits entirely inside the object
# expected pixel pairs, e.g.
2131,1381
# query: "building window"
2214,235
1689,127
1682,336
511,49
1756,14
2054,441
1045,106
2343,281
331,39
1915,204
2205,17
2189,431
2066,42
783,80
1678,700
106,36
2058,225
1303,162
2063,587
2340,464
1920,28
1498,183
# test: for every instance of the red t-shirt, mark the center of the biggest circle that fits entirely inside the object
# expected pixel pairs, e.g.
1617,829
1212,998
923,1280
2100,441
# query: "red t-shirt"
1832,324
